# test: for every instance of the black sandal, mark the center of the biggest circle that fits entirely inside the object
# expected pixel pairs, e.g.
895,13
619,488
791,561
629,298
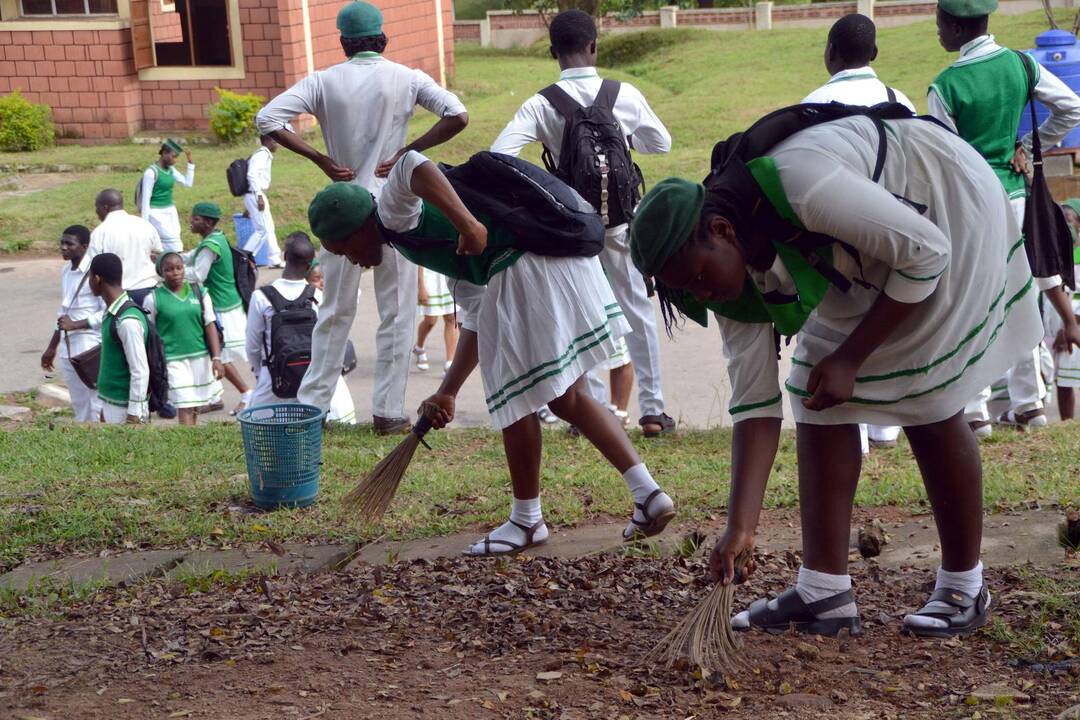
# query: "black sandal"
964,614
513,547
793,613
650,525
665,421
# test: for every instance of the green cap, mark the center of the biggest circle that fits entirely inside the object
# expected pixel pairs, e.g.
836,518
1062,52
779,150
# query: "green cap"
663,223
173,145
339,210
968,8
1073,204
207,210
359,19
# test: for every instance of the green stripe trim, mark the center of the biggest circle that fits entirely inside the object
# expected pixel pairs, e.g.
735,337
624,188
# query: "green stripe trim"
187,356
965,62
915,278
864,76
188,387
754,406
561,362
971,361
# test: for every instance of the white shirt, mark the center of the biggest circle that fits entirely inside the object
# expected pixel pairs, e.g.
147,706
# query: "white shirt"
150,177
85,306
258,176
133,240
260,312
149,304
858,86
132,339
363,106
1059,99
399,208
538,120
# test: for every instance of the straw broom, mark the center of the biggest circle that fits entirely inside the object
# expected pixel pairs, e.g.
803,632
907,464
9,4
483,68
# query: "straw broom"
705,636
371,498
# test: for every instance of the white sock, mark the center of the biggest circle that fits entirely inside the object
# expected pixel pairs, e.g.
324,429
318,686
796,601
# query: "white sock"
523,512
246,396
811,586
640,481
969,582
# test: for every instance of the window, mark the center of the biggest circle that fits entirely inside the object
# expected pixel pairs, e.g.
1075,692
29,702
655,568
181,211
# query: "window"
195,34
68,7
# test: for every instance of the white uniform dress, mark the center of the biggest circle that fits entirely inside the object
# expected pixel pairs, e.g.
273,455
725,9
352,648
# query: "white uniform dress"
541,323
1024,381
165,220
440,300
258,177
964,259
260,313
363,106
191,379
537,120
861,86
81,306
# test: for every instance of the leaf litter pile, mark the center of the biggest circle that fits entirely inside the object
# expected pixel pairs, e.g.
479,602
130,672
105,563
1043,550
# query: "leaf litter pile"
521,637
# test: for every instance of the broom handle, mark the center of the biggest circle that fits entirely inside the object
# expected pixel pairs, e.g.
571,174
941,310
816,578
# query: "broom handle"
421,428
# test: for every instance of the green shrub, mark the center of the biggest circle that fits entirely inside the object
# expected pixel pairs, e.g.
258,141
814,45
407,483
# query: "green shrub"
232,117
24,125
624,48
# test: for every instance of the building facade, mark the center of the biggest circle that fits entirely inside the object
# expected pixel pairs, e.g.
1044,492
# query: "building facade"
110,68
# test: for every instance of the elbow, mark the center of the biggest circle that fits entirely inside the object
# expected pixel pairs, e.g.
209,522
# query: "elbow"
459,122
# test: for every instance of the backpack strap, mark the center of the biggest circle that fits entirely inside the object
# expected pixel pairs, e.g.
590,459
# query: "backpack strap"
277,301
560,100
609,92
890,93
119,313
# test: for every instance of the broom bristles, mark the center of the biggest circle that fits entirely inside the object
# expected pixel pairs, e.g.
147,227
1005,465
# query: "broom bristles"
704,637
371,498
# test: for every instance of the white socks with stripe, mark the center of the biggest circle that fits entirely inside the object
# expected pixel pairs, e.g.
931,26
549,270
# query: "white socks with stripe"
969,582
525,513
811,586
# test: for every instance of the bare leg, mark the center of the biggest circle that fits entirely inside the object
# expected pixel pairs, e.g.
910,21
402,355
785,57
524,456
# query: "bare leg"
186,416
830,461
1066,402
522,442
232,374
427,323
948,457
450,335
576,407
622,383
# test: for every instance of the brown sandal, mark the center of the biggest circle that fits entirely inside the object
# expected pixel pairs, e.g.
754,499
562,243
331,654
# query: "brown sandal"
512,547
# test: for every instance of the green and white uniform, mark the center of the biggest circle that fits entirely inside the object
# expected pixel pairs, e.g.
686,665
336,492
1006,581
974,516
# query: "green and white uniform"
541,322
124,373
181,319
212,266
962,260
156,202
440,301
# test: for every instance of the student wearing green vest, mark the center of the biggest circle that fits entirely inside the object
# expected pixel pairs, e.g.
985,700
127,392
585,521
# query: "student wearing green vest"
156,193
982,97
124,373
212,267
185,320
534,324
940,303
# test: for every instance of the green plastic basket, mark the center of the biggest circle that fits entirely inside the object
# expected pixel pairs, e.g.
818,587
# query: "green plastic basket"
283,450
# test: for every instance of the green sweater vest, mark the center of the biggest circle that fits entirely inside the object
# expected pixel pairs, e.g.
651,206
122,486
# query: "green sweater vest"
162,196
180,323
221,282
114,376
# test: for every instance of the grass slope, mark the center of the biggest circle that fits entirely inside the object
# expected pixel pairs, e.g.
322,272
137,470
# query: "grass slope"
69,488
704,85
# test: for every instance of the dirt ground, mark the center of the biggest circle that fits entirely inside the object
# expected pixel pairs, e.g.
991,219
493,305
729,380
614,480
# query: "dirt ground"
543,638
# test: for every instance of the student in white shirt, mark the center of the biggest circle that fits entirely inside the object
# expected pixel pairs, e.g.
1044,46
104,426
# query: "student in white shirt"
851,47
156,202
132,239
78,319
363,106
124,373
573,44
299,255
257,205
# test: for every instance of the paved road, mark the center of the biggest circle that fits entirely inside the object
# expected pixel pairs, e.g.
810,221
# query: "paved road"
695,380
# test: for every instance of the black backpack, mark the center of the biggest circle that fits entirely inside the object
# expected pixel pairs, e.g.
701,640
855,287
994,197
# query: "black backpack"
594,157
155,359
289,354
245,273
236,177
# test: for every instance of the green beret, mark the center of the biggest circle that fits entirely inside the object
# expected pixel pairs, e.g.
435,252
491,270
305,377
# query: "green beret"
173,145
339,210
207,210
664,221
359,19
968,8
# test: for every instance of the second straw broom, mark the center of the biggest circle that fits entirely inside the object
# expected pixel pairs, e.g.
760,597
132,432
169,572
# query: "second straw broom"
371,498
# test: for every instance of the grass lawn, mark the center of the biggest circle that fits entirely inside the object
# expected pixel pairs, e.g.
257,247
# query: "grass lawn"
70,488
704,85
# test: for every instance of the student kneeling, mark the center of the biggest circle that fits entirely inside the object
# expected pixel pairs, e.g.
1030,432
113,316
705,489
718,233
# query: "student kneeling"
946,305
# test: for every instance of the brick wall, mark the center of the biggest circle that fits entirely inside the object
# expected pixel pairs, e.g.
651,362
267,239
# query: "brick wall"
167,26
86,76
467,30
